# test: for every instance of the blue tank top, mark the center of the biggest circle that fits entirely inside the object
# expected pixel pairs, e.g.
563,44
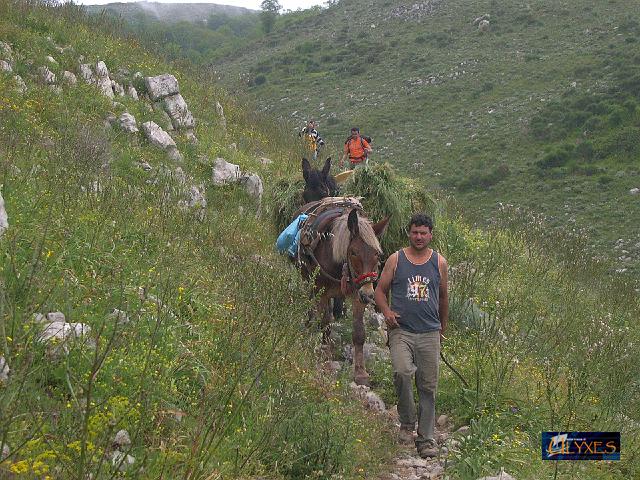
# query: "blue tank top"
415,294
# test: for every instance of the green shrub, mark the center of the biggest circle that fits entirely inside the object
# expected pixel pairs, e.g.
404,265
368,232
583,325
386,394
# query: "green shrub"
556,157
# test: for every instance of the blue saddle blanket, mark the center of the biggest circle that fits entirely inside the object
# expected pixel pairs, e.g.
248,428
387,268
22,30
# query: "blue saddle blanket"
290,237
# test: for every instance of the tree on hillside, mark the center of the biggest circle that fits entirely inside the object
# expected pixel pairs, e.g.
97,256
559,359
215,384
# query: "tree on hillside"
270,9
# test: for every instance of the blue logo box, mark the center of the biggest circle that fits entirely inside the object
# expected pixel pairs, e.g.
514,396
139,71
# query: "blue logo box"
580,445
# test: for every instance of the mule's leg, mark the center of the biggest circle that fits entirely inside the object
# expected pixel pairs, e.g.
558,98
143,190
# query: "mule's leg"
324,313
360,375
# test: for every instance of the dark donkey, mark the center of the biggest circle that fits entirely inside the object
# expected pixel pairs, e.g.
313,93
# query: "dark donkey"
318,183
345,260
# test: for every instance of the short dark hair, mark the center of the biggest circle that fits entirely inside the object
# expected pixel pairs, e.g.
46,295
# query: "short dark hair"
355,129
420,220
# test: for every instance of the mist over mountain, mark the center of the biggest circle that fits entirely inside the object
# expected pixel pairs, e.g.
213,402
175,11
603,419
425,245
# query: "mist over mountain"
170,12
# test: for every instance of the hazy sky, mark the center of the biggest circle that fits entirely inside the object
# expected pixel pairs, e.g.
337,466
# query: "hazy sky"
255,4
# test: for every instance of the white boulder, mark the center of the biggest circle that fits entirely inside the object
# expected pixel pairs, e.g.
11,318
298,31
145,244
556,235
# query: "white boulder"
5,66
4,219
55,317
85,72
157,136
178,111
4,369
484,25
225,172
253,185
197,198
21,86
161,86
69,78
5,51
501,476
121,460
46,76
128,123
634,191
102,79
122,438
132,92
117,88
51,60
161,139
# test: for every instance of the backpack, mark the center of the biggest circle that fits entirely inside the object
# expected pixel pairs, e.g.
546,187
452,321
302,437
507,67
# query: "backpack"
365,137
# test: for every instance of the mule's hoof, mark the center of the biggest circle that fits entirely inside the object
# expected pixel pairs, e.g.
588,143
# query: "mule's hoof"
362,379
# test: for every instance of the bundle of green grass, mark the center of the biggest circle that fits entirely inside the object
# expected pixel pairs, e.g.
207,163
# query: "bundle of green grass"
383,194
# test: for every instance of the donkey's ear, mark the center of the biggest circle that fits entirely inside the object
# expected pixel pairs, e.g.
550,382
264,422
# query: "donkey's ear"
306,169
326,168
352,223
381,227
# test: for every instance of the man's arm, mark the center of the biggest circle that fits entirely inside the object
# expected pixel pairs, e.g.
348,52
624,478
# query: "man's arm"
382,291
367,148
444,293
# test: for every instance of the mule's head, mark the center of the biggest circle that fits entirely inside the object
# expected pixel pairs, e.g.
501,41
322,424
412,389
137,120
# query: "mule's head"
318,183
363,255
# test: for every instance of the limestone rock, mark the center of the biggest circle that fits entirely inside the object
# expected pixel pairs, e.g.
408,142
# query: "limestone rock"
484,25
120,317
132,92
4,369
64,331
634,191
157,136
122,439
5,51
178,111
85,72
501,476
4,219
69,78
464,430
117,88
128,123
51,60
5,66
46,76
481,18
225,172
265,161
102,79
332,367
196,198
6,451
374,402
21,86
121,460
253,185
146,166
161,86
442,421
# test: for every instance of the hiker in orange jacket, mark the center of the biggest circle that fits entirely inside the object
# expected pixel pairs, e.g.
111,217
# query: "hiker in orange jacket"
356,148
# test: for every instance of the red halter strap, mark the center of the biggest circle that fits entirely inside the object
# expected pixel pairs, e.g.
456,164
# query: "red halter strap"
365,278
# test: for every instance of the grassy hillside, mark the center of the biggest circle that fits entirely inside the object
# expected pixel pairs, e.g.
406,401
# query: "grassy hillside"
539,111
214,374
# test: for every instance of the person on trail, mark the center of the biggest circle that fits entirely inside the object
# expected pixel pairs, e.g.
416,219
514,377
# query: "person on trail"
356,148
417,278
313,140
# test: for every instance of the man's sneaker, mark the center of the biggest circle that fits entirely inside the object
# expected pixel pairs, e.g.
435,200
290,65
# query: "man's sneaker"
405,435
428,449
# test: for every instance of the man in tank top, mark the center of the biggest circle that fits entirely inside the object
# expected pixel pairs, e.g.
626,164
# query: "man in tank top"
416,278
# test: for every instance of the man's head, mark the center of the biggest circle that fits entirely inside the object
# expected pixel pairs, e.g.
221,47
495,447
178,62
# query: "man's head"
311,123
355,131
420,231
